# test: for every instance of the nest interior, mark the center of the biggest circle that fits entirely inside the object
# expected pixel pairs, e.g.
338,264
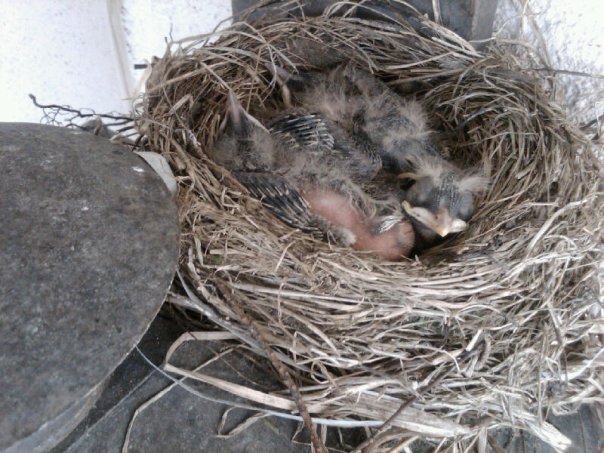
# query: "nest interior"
490,328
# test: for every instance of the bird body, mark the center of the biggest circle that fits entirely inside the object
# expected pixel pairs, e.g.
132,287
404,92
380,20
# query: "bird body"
364,233
441,198
295,168
378,120
312,133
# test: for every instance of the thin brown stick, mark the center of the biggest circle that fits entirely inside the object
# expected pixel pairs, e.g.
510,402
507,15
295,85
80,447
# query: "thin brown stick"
78,112
283,373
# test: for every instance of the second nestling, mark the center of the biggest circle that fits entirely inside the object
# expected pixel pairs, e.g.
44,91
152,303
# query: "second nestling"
306,183
442,198
327,162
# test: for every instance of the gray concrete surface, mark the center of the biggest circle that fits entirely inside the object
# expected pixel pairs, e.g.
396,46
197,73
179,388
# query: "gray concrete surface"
89,246
178,421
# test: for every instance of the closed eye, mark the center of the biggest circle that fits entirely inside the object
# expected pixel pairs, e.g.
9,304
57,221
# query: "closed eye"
417,196
466,211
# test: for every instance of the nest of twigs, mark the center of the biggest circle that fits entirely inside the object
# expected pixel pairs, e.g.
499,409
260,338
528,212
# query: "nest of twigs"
491,328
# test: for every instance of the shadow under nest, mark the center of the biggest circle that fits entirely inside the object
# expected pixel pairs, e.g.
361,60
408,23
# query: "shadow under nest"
491,328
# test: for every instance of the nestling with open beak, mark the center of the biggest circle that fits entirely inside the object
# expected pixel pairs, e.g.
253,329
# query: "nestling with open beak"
441,199
305,186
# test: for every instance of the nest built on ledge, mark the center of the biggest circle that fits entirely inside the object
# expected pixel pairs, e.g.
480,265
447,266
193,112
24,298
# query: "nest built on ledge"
492,328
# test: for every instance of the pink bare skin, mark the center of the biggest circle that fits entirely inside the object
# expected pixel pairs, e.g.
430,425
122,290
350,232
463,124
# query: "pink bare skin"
392,245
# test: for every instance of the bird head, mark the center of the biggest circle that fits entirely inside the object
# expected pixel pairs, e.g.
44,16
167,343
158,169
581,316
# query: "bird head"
442,197
243,143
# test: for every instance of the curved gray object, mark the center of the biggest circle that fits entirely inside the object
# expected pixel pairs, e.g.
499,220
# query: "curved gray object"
88,248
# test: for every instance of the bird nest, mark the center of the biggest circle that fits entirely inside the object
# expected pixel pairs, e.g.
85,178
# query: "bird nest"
491,328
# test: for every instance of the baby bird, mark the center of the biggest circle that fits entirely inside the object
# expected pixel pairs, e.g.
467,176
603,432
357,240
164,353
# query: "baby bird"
293,172
441,200
327,98
244,143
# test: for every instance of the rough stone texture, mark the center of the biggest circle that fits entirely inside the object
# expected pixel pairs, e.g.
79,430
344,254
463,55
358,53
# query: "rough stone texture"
89,244
585,428
472,19
133,381
178,421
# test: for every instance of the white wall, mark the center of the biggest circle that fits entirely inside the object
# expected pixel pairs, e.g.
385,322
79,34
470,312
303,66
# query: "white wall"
572,35
68,52
62,52
148,22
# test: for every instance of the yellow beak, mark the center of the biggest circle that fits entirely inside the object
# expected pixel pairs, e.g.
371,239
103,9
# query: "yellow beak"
441,223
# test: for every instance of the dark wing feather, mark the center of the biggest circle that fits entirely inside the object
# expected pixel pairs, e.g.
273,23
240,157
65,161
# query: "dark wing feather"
281,199
307,130
312,132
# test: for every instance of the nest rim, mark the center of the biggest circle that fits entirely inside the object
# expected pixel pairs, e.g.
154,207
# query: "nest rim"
528,262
